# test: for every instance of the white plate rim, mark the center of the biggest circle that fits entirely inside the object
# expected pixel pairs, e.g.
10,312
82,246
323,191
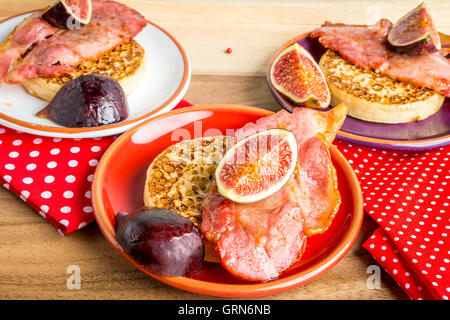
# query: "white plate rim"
107,130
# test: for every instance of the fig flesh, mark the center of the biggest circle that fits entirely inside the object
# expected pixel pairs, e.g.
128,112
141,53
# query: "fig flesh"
162,241
257,166
295,74
415,33
87,101
69,14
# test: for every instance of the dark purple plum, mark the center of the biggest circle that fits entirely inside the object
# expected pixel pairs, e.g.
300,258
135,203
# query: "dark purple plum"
162,241
88,101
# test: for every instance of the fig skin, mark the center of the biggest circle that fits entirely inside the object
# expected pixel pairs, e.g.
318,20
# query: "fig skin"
241,179
87,101
58,16
415,33
162,241
422,47
283,77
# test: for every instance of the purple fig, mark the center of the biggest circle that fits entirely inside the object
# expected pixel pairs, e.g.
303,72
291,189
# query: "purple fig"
87,101
162,241
415,33
69,14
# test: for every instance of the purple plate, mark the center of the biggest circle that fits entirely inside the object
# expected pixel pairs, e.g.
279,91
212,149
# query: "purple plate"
426,134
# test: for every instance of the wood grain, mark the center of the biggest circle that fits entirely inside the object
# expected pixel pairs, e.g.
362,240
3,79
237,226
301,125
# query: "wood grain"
34,257
253,29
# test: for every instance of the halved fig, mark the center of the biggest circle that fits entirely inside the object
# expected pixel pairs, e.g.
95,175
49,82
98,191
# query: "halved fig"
295,74
69,14
415,33
257,166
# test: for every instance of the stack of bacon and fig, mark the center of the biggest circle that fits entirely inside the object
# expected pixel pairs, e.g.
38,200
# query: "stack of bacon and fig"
251,200
248,201
385,73
81,56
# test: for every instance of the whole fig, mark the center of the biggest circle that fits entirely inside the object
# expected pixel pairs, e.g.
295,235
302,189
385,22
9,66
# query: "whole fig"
87,101
162,241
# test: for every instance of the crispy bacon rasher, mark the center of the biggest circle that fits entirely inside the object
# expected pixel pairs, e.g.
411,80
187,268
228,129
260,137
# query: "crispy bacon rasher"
258,241
112,24
367,47
29,32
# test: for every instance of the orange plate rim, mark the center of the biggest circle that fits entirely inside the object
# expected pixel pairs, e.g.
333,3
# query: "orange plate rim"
231,290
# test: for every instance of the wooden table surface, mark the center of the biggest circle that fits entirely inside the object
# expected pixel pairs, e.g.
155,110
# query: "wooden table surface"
34,257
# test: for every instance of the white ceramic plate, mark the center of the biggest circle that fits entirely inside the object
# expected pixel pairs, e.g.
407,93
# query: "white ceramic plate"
165,83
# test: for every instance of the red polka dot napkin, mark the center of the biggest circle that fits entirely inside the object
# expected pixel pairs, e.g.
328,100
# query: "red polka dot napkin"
53,175
407,194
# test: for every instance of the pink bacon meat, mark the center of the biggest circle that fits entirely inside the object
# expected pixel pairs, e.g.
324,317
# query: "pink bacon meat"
367,47
112,24
29,32
258,241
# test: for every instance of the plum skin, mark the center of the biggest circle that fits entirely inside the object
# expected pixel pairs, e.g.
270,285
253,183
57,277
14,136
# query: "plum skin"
162,241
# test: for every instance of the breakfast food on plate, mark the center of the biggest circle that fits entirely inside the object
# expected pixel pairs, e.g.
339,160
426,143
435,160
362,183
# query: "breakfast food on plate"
373,97
87,101
415,33
258,241
38,50
257,166
125,63
367,47
295,74
179,177
161,240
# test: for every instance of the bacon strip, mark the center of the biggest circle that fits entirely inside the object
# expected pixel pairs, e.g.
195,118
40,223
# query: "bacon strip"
367,47
445,43
112,24
30,31
258,241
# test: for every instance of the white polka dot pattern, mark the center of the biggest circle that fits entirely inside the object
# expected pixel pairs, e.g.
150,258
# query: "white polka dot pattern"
44,172
53,175
407,194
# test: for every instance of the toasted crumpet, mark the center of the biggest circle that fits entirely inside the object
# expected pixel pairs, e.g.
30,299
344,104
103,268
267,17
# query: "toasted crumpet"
178,179
373,97
126,64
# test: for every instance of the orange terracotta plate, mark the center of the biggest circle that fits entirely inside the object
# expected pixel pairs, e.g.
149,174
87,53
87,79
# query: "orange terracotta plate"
119,183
